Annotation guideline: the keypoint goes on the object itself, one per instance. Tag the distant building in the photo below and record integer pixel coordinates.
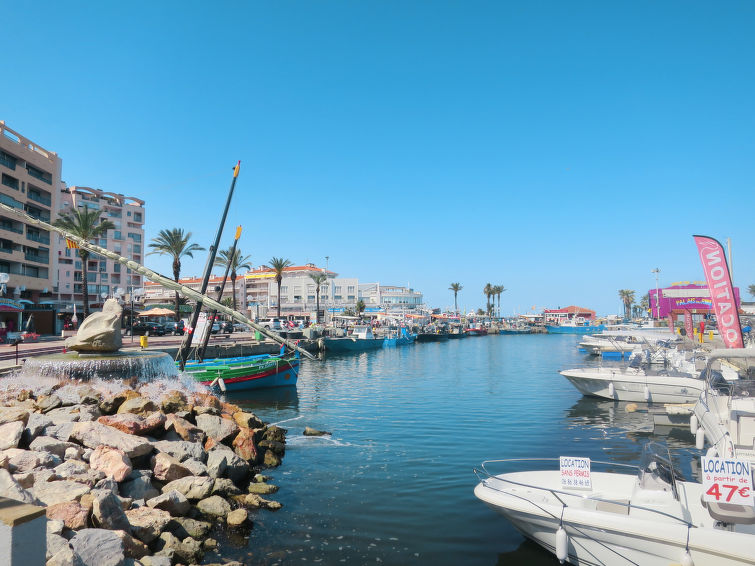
(683, 297)
(392, 299)
(155, 295)
(104, 276)
(29, 177)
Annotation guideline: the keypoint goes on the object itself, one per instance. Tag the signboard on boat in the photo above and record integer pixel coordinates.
(575, 473)
(727, 480)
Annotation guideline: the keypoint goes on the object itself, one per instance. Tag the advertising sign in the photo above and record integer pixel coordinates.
(202, 328)
(575, 472)
(727, 481)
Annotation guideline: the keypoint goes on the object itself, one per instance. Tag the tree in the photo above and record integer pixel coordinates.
(498, 290)
(360, 307)
(278, 264)
(319, 279)
(488, 291)
(456, 287)
(174, 243)
(645, 304)
(627, 297)
(236, 262)
(87, 225)
(751, 290)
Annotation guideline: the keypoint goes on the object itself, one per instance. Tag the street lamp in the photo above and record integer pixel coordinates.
(657, 297)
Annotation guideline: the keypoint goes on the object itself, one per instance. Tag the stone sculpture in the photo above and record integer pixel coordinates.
(100, 331)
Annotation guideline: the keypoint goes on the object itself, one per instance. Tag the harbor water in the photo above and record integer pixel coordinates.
(393, 482)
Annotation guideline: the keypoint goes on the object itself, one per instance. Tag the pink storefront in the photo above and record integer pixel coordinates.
(681, 298)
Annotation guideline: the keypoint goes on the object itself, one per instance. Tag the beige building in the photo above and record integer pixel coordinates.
(29, 178)
(155, 295)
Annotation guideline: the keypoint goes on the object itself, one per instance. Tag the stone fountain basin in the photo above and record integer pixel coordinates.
(144, 366)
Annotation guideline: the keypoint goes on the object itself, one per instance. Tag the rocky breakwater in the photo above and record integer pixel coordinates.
(127, 480)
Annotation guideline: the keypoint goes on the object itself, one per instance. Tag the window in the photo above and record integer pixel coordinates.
(8, 160)
(77, 265)
(39, 174)
(117, 235)
(284, 289)
(9, 181)
(103, 277)
(128, 213)
(92, 277)
(103, 243)
(137, 216)
(350, 289)
(137, 248)
(135, 237)
(116, 267)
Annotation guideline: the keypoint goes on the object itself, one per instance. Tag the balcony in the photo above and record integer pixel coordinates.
(10, 227)
(40, 198)
(39, 174)
(39, 214)
(8, 160)
(10, 201)
(37, 258)
(40, 238)
(9, 181)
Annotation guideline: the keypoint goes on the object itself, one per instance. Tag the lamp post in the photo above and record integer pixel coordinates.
(657, 297)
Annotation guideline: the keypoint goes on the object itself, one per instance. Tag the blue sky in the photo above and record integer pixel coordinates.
(562, 149)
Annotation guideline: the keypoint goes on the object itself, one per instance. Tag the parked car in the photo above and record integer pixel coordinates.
(215, 328)
(226, 326)
(174, 327)
(238, 327)
(151, 328)
(271, 323)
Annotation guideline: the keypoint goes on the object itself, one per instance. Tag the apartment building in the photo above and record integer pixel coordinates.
(105, 277)
(155, 295)
(392, 299)
(29, 177)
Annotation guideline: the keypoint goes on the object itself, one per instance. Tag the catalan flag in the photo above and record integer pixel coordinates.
(71, 245)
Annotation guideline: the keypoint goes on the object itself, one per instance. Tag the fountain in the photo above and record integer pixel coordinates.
(95, 352)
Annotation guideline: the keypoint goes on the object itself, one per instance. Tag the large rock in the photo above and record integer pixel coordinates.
(132, 547)
(10, 434)
(147, 523)
(74, 515)
(113, 462)
(167, 468)
(50, 493)
(138, 487)
(174, 401)
(225, 488)
(184, 429)
(196, 467)
(245, 446)
(236, 468)
(10, 489)
(217, 427)
(184, 527)
(20, 461)
(107, 512)
(217, 461)
(55, 543)
(46, 403)
(79, 471)
(262, 488)
(138, 406)
(35, 426)
(111, 404)
(51, 445)
(182, 450)
(172, 501)
(98, 547)
(247, 420)
(12, 414)
(126, 422)
(65, 557)
(237, 517)
(93, 434)
(214, 506)
(192, 487)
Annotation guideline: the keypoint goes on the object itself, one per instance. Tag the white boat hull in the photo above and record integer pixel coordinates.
(614, 535)
(630, 385)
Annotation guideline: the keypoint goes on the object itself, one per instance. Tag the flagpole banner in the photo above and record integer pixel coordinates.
(717, 275)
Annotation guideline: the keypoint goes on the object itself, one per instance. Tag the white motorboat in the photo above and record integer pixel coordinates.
(647, 518)
(724, 415)
(623, 341)
(634, 383)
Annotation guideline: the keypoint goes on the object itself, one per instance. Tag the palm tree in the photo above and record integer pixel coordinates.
(627, 297)
(645, 304)
(497, 290)
(488, 291)
(279, 264)
(360, 307)
(87, 225)
(236, 262)
(751, 290)
(456, 287)
(174, 243)
(319, 279)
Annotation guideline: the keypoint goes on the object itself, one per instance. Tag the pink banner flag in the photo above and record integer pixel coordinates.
(721, 289)
(688, 327)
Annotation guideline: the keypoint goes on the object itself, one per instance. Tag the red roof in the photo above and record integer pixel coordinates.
(570, 310)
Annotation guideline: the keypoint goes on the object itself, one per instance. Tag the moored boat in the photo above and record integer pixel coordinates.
(250, 372)
(648, 517)
(360, 339)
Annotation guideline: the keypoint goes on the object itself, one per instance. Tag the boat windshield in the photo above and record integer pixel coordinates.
(656, 469)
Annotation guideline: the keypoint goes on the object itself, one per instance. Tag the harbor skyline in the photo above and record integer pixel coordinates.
(564, 152)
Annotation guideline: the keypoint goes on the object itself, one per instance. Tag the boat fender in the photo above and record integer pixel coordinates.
(214, 382)
(647, 393)
(222, 384)
(693, 424)
(687, 559)
(611, 389)
(700, 439)
(562, 544)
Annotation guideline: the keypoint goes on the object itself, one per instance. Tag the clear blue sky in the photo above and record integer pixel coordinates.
(562, 149)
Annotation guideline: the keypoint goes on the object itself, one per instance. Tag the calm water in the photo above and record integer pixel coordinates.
(393, 485)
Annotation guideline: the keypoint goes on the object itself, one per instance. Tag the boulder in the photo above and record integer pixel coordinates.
(12, 414)
(190, 551)
(184, 429)
(214, 506)
(64, 415)
(10, 434)
(74, 515)
(61, 431)
(111, 404)
(225, 488)
(132, 547)
(167, 468)
(196, 467)
(262, 488)
(275, 433)
(129, 423)
(10, 489)
(138, 406)
(52, 492)
(93, 434)
(35, 426)
(308, 431)
(65, 557)
(182, 450)
(255, 501)
(138, 487)
(46, 403)
(271, 460)
(107, 512)
(166, 545)
(174, 401)
(79, 471)
(217, 461)
(174, 502)
(192, 487)
(247, 420)
(218, 428)
(55, 543)
(147, 523)
(98, 547)
(245, 446)
(20, 461)
(237, 517)
(184, 527)
(113, 462)
(156, 561)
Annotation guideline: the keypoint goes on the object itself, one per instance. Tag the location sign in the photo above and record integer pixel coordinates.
(727, 481)
(575, 472)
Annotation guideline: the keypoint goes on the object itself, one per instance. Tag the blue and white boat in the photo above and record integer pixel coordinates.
(360, 339)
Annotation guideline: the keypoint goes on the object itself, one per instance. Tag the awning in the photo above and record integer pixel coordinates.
(157, 312)
(9, 305)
